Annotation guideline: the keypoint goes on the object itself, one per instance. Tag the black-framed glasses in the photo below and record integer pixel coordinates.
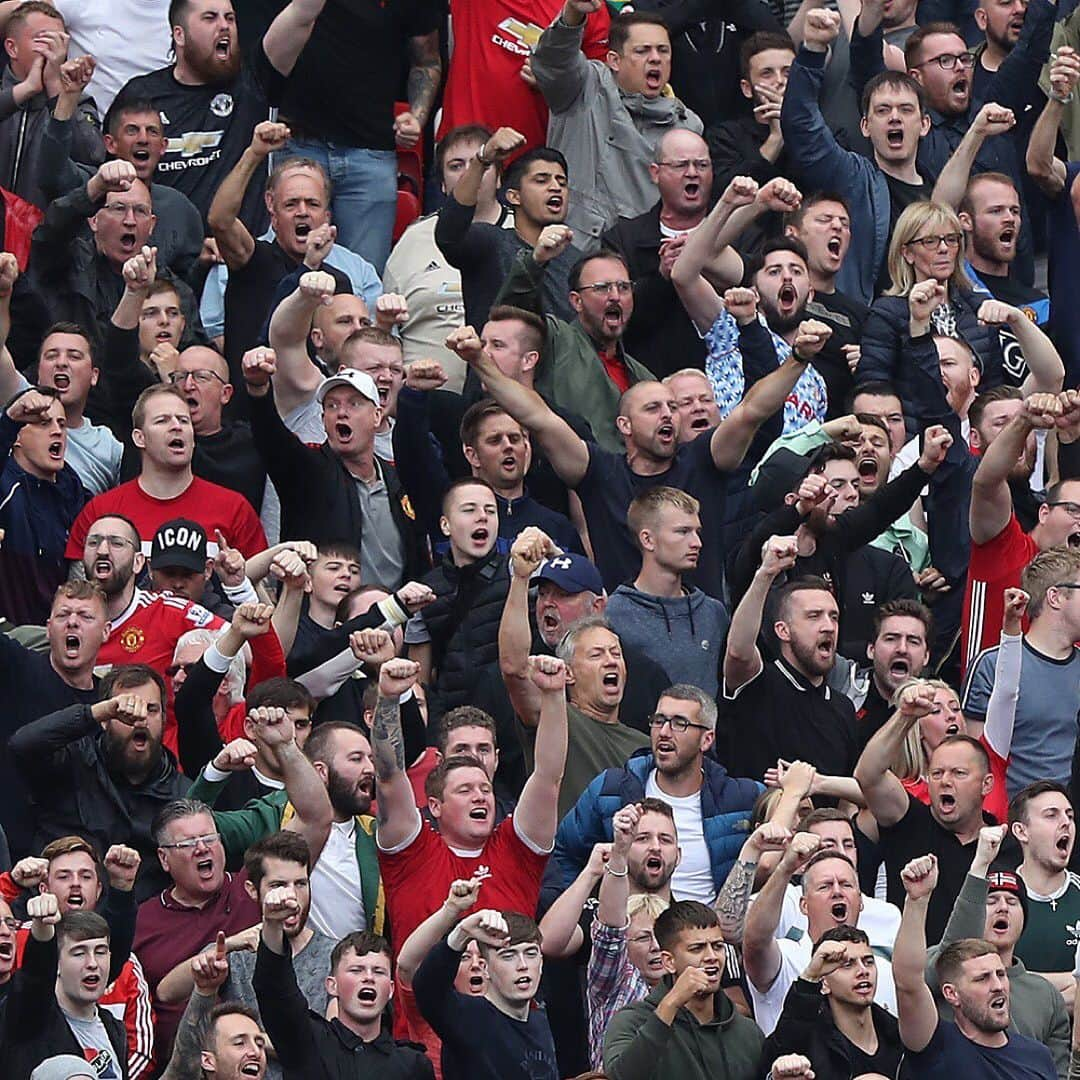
(678, 723)
(171, 671)
(950, 240)
(602, 288)
(1070, 508)
(203, 376)
(947, 61)
(1065, 585)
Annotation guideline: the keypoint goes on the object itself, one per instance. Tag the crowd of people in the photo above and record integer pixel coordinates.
(539, 540)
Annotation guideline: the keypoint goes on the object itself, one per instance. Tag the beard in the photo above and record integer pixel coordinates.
(210, 70)
(809, 659)
(346, 799)
(120, 763)
(778, 323)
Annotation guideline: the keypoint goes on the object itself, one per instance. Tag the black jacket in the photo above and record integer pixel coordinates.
(660, 334)
(806, 1027)
(34, 1028)
(61, 758)
(318, 494)
(310, 1047)
(464, 626)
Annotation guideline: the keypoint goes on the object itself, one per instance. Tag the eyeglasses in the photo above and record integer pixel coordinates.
(1065, 585)
(194, 842)
(121, 209)
(678, 723)
(171, 671)
(701, 164)
(203, 376)
(947, 61)
(1070, 508)
(602, 288)
(116, 543)
(950, 240)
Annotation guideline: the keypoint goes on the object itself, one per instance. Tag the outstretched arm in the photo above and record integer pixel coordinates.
(235, 243)
(434, 928)
(297, 378)
(742, 659)
(568, 454)
(885, 795)
(537, 817)
(399, 820)
(1044, 168)
(290, 31)
(561, 924)
(953, 179)
(733, 901)
(918, 1013)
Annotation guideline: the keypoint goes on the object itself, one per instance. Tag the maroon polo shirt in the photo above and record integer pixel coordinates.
(167, 933)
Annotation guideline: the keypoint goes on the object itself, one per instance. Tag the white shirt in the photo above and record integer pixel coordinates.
(794, 958)
(337, 898)
(693, 878)
(125, 37)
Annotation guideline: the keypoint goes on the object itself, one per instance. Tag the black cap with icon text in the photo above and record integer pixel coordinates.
(179, 544)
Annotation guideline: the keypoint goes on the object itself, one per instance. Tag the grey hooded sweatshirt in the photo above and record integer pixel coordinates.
(683, 634)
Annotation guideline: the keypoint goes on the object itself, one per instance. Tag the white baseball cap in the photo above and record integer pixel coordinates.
(358, 380)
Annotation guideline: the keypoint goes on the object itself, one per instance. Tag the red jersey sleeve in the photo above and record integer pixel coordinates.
(246, 531)
(1011, 546)
(594, 43)
(267, 658)
(8, 889)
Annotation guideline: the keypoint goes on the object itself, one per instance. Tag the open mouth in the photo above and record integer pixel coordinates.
(366, 996)
(952, 729)
(140, 155)
(550, 621)
(665, 746)
(479, 536)
(868, 468)
(343, 431)
(864, 986)
(998, 1001)
(839, 910)
(71, 644)
(102, 567)
(826, 645)
(947, 802)
(61, 380)
(524, 982)
(960, 87)
(476, 984)
(140, 739)
(56, 450)
(610, 681)
(788, 296)
(129, 241)
(223, 47)
(1062, 844)
(7, 950)
(176, 443)
(509, 463)
(895, 138)
(899, 669)
(712, 971)
(1000, 925)
(834, 246)
(91, 982)
(163, 335)
(666, 431)
(1007, 236)
(75, 900)
(1073, 539)
(691, 189)
(654, 79)
(302, 228)
(613, 315)
(654, 864)
(699, 423)
(555, 203)
(251, 1068)
(366, 786)
(205, 868)
(478, 813)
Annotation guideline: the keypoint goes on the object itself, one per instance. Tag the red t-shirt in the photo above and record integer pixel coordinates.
(417, 878)
(495, 37)
(211, 505)
(148, 631)
(995, 566)
(617, 370)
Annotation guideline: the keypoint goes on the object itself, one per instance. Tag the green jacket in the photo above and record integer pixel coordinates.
(571, 376)
(902, 537)
(240, 829)
(638, 1046)
(1036, 1008)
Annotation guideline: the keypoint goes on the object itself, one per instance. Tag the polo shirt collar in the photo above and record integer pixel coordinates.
(799, 681)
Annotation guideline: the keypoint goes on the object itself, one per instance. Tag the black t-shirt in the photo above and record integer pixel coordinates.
(901, 196)
(845, 317)
(884, 1061)
(1033, 303)
(918, 833)
(348, 77)
(610, 485)
(208, 128)
(230, 459)
(779, 713)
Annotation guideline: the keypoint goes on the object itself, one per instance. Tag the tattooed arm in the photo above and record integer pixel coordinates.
(185, 1063)
(425, 75)
(734, 899)
(399, 820)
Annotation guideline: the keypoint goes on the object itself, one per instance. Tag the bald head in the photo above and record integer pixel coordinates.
(334, 322)
(648, 420)
(683, 174)
(202, 375)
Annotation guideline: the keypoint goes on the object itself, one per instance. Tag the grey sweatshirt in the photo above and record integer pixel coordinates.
(684, 634)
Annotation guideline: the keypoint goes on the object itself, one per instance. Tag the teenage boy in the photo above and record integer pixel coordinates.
(517, 1042)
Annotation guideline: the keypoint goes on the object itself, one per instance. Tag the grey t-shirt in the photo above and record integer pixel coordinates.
(98, 1051)
(311, 965)
(1046, 726)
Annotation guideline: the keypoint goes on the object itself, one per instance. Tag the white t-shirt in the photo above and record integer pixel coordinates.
(693, 878)
(337, 897)
(94, 1041)
(794, 958)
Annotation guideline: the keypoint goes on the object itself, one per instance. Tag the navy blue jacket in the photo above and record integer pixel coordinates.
(726, 803)
(36, 516)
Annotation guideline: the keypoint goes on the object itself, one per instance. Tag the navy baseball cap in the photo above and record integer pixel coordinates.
(572, 573)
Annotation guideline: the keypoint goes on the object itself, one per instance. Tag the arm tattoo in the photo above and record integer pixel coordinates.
(185, 1061)
(734, 900)
(425, 75)
(389, 743)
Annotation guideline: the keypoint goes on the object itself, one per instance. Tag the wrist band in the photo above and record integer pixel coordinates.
(615, 873)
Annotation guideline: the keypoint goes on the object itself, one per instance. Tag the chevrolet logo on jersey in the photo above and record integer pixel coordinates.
(194, 142)
(517, 37)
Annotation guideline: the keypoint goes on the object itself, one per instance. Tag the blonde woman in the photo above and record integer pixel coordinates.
(930, 295)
